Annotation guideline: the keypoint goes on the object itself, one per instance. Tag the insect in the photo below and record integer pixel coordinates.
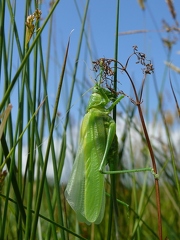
(85, 190)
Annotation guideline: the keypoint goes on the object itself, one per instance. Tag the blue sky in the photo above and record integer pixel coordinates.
(100, 29)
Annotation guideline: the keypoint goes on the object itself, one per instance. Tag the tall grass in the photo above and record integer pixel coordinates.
(40, 138)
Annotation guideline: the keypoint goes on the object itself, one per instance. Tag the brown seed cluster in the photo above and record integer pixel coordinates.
(106, 72)
(30, 26)
(143, 61)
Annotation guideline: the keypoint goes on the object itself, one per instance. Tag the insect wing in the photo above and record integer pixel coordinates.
(74, 192)
(85, 190)
(94, 141)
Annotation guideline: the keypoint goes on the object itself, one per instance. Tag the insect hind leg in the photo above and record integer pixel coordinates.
(110, 137)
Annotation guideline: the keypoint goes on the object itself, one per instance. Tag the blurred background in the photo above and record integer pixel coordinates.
(42, 142)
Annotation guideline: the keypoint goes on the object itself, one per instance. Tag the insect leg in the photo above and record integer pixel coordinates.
(115, 103)
(110, 137)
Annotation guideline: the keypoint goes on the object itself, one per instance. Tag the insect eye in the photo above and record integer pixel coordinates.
(96, 89)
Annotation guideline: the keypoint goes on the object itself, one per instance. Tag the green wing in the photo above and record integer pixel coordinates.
(85, 190)
(74, 192)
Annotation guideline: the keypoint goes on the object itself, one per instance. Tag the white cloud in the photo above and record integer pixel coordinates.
(157, 135)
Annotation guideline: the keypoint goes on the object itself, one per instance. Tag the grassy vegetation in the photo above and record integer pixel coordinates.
(39, 135)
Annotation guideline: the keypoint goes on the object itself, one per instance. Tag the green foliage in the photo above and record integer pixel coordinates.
(32, 205)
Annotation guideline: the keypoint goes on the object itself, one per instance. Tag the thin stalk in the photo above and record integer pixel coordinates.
(39, 199)
(152, 158)
(15, 78)
(171, 147)
(2, 18)
(113, 203)
(32, 157)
